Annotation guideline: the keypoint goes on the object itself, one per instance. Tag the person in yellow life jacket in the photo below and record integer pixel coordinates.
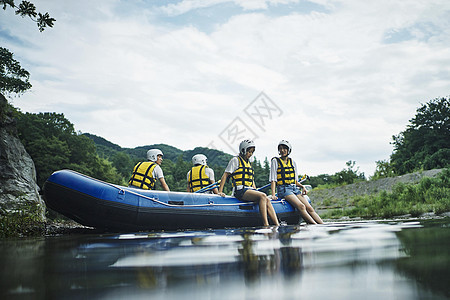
(283, 178)
(244, 189)
(145, 174)
(200, 175)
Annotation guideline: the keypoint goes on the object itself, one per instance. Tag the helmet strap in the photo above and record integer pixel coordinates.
(243, 157)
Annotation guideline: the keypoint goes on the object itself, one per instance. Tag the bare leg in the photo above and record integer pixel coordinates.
(310, 210)
(263, 211)
(261, 198)
(272, 213)
(296, 202)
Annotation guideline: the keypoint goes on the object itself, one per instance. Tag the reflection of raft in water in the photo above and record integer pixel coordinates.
(95, 203)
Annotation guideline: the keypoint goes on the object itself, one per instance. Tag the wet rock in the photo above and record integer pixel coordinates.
(53, 228)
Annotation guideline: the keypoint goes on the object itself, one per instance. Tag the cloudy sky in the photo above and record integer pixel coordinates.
(335, 78)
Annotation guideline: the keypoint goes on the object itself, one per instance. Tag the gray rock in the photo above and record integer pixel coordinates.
(18, 188)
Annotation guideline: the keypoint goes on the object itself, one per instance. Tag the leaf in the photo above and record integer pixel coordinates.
(44, 20)
(26, 9)
(7, 2)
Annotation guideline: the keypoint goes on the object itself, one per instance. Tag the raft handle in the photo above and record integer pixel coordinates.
(246, 207)
(176, 202)
(121, 194)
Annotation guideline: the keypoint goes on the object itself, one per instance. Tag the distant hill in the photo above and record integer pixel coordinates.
(101, 141)
(108, 150)
(140, 152)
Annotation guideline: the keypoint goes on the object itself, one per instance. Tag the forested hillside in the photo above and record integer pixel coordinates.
(176, 162)
(107, 149)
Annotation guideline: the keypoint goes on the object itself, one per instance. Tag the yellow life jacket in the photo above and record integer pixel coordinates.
(198, 178)
(285, 172)
(244, 174)
(142, 176)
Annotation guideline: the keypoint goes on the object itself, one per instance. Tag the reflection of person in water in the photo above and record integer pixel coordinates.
(292, 258)
(285, 259)
(249, 259)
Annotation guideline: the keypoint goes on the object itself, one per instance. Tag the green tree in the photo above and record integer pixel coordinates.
(177, 173)
(123, 163)
(168, 168)
(349, 175)
(384, 169)
(13, 78)
(345, 176)
(28, 9)
(49, 154)
(439, 159)
(261, 172)
(425, 144)
(322, 179)
(52, 142)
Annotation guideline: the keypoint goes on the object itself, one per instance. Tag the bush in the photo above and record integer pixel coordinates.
(429, 195)
(21, 223)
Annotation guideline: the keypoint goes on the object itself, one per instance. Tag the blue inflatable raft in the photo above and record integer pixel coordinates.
(102, 205)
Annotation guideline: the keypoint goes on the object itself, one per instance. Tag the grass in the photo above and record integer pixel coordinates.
(21, 223)
(429, 195)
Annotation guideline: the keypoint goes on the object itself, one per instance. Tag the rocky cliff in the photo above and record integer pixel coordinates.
(18, 188)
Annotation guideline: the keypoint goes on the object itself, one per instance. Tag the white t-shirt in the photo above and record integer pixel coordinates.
(157, 172)
(274, 167)
(233, 165)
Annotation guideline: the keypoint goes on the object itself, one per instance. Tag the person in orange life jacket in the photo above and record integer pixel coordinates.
(145, 174)
(244, 188)
(200, 175)
(283, 176)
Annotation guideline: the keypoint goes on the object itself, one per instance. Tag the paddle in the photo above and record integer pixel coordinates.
(211, 188)
(304, 177)
(263, 187)
(208, 187)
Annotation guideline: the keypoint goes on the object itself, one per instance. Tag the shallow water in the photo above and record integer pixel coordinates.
(403, 259)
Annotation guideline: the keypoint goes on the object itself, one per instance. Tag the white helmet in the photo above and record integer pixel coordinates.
(287, 144)
(152, 154)
(199, 159)
(244, 145)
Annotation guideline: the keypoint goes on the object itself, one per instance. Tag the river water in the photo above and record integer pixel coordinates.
(398, 259)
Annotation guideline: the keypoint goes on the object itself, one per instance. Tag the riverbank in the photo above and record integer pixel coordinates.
(340, 196)
(19, 226)
(414, 194)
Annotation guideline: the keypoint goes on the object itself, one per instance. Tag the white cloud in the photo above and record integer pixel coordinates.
(185, 6)
(347, 76)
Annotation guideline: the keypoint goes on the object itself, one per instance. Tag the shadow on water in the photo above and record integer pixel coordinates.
(342, 260)
(427, 256)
